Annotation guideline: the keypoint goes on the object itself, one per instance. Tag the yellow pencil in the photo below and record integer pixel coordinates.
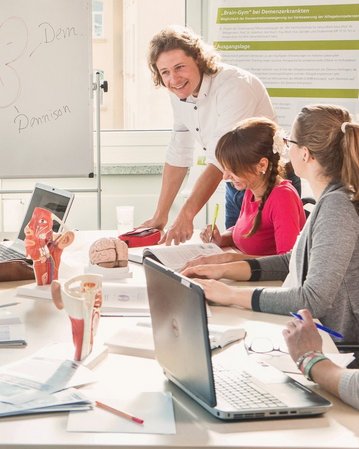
(215, 216)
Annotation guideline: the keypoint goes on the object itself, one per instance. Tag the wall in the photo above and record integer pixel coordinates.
(131, 175)
(139, 190)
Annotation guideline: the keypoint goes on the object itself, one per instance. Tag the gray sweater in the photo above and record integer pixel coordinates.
(327, 268)
(349, 387)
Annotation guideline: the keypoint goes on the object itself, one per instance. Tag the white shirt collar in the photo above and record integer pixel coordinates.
(203, 90)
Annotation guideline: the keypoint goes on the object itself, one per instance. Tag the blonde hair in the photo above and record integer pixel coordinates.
(175, 37)
(332, 138)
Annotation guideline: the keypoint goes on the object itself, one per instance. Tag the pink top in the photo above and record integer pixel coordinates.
(282, 219)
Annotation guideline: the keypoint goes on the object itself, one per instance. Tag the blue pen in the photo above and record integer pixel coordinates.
(319, 326)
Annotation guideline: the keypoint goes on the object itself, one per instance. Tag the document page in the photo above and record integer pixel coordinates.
(155, 408)
(176, 257)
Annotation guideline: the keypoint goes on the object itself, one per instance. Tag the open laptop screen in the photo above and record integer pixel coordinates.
(56, 200)
(180, 332)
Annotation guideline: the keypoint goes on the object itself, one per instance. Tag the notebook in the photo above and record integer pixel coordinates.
(182, 348)
(56, 200)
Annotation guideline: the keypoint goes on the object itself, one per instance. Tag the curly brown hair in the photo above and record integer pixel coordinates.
(175, 37)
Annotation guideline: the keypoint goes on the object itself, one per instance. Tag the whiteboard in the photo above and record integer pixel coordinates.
(46, 110)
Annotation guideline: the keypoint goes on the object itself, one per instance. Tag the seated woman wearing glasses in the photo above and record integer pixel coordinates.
(321, 272)
(305, 347)
(272, 213)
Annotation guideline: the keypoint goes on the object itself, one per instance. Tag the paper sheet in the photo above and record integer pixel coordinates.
(286, 364)
(155, 408)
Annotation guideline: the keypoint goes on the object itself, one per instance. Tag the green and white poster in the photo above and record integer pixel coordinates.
(303, 51)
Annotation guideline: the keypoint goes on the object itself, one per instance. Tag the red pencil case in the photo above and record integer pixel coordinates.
(141, 237)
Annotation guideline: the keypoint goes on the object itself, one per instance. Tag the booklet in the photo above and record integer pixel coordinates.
(175, 256)
(41, 383)
(138, 340)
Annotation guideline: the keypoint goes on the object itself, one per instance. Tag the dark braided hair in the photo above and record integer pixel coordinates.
(272, 177)
(241, 150)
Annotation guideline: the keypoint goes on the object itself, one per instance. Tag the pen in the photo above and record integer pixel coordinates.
(320, 326)
(117, 412)
(215, 216)
(9, 304)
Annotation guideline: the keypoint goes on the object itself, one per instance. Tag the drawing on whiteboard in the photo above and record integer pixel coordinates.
(51, 34)
(13, 43)
(14, 36)
(23, 121)
(46, 88)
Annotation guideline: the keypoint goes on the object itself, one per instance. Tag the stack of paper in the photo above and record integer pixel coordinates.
(41, 384)
(66, 400)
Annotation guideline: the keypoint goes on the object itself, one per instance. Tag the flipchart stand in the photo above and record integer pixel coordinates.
(98, 85)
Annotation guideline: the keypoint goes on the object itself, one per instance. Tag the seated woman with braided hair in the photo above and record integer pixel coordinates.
(272, 213)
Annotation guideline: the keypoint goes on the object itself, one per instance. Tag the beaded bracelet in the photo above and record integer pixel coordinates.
(304, 356)
(309, 365)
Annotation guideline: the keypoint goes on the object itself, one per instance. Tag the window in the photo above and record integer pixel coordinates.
(97, 19)
(121, 54)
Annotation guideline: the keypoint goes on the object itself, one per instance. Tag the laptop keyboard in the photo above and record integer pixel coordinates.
(7, 253)
(239, 390)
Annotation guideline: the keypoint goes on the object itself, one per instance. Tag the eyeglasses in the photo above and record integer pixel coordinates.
(262, 348)
(263, 345)
(288, 141)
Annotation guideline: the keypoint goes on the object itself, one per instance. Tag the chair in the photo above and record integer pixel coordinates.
(308, 204)
(350, 347)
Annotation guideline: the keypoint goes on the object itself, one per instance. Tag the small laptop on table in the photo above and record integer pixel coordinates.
(182, 348)
(55, 200)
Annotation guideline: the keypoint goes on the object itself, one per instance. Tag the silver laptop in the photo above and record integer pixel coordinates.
(182, 348)
(56, 200)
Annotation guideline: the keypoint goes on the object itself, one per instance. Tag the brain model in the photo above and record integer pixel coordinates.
(109, 252)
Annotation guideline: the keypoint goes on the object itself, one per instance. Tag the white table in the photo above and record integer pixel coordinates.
(195, 428)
